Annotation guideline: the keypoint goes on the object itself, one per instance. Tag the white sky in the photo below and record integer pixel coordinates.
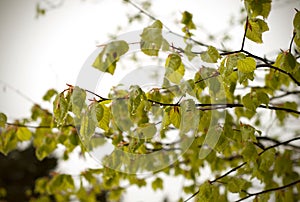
(38, 54)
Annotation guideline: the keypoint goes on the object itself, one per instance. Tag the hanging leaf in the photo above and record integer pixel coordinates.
(23, 134)
(174, 68)
(208, 193)
(78, 101)
(258, 8)
(60, 108)
(88, 123)
(187, 21)
(152, 39)
(175, 116)
(296, 23)
(246, 65)
(256, 27)
(110, 55)
(49, 94)
(211, 55)
(286, 61)
(157, 184)
(3, 120)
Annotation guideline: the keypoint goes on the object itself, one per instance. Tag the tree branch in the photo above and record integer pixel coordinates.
(285, 94)
(277, 141)
(37, 127)
(244, 163)
(244, 37)
(291, 42)
(280, 70)
(269, 190)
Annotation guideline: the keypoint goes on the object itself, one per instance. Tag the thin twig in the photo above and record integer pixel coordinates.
(269, 190)
(245, 33)
(291, 43)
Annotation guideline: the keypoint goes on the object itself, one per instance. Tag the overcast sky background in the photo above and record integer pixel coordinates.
(48, 52)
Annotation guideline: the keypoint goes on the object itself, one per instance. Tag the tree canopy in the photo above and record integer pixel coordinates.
(232, 111)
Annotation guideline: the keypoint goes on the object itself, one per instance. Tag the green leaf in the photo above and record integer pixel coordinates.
(229, 63)
(88, 124)
(78, 101)
(8, 141)
(3, 120)
(188, 51)
(175, 116)
(267, 159)
(157, 184)
(187, 21)
(174, 68)
(208, 193)
(256, 27)
(152, 39)
(296, 23)
(146, 131)
(286, 61)
(253, 99)
(258, 8)
(236, 184)
(61, 183)
(60, 108)
(23, 134)
(249, 152)
(49, 94)
(110, 55)
(136, 96)
(246, 65)
(211, 55)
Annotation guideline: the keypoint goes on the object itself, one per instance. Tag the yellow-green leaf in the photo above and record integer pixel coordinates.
(256, 27)
(3, 120)
(23, 134)
(152, 39)
(110, 55)
(211, 55)
(246, 65)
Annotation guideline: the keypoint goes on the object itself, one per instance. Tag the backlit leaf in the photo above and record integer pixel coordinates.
(110, 55)
(211, 55)
(78, 101)
(60, 108)
(256, 27)
(23, 134)
(208, 193)
(296, 23)
(187, 21)
(246, 65)
(174, 68)
(49, 94)
(258, 8)
(286, 61)
(157, 184)
(3, 120)
(152, 39)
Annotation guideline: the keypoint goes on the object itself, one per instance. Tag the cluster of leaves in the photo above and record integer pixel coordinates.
(227, 123)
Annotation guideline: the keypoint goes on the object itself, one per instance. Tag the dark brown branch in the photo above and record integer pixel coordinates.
(285, 94)
(269, 190)
(280, 70)
(244, 163)
(291, 43)
(279, 144)
(277, 141)
(37, 127)
(99, 96)
(245, 33)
